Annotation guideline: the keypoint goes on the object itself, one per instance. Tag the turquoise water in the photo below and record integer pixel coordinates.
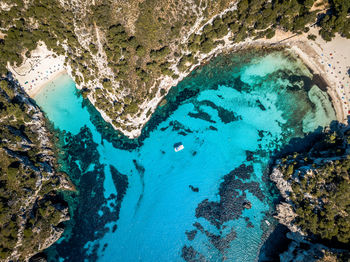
(149, 203)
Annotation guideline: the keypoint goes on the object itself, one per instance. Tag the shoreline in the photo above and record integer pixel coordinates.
(339, 93)
(315, 55)
(328, 60)
(40, 87)
(38, 70)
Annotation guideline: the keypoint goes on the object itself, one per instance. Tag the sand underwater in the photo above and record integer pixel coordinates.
(138, 200)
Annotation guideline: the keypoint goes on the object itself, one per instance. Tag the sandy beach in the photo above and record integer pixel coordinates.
(42, 67)
(330, 60)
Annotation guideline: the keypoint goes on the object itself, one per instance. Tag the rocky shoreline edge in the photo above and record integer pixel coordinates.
(38, 207)
(298, 243)
(306, 50)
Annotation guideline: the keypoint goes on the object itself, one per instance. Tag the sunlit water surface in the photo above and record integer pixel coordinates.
(153, 204)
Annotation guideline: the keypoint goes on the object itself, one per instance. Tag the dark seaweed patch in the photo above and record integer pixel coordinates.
(249, 155)
(194, 189)
(201, 115)
(230, 207)
(120, 182)
(260, 105)
(238, 84)
(104, 247)
(90, 211)
(243, 171)
(198, 226)
(177, 126)
(186, 94)
(141, 170)
(219, 242)
(307, 81)
(263, 134)
(225, 115)
(191, 234)
(231, 204)
(294, 80)
(189, 254)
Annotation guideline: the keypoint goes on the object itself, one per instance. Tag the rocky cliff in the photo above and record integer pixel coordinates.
(31, 211)
(315, 187)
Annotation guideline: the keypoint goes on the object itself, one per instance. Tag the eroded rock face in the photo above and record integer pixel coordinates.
(314, 185)
(286, 215)
(31, 209)
(305, 251)
(283, 185)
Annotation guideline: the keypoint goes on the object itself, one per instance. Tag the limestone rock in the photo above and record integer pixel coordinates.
(286, 215)
(283, 186)
(247, 205)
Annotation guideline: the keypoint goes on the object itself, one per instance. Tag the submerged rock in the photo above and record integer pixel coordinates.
(247, 205)
(194, 189)
(191, 234)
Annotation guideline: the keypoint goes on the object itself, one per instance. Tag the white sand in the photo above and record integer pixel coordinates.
(331, 60)
(42, 67)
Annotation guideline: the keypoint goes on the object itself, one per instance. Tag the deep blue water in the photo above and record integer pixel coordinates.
(149, 203)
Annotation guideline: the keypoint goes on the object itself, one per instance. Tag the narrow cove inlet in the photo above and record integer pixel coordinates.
(139, 200)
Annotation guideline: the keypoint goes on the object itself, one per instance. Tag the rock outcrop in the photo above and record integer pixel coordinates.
(283, 186)
(314, 185)
(31, 210)
(286, 215)
(285, 212)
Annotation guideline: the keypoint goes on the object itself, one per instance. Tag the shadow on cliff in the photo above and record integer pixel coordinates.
(277, 242)
(303, 144)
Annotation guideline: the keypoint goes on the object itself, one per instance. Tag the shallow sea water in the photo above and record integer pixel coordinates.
(149, 203)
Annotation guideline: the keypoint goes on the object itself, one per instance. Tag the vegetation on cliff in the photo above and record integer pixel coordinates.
(320, 187)
(118, 51)
(30, 211)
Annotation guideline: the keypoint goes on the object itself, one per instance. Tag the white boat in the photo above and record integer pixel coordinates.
(178, 147)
